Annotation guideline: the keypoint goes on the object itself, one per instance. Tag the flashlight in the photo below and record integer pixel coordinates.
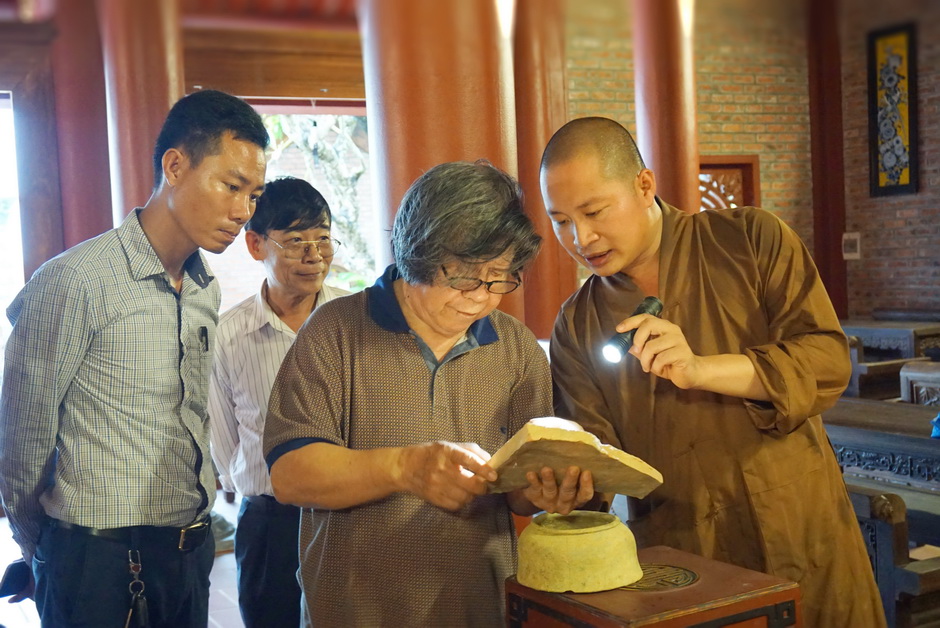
(618, 346)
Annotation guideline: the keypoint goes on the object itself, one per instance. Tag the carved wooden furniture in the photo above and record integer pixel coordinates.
(910, 590)
(920, 383)
(880, 379)
(722, 595)
(892, 470)
(891, 339)
(887, 446)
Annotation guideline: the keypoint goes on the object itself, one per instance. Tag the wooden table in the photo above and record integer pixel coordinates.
(678, 589)
(885, 340)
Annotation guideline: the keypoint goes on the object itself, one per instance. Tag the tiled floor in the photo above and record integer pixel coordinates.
(223, 593)
(223, 596)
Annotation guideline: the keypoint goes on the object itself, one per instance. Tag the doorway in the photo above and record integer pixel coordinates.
(11, 239)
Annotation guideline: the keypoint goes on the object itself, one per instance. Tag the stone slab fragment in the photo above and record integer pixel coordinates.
(559, 444)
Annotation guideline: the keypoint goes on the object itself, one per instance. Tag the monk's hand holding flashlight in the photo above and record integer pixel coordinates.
(619, 345)
(659, 345)
(663, 350)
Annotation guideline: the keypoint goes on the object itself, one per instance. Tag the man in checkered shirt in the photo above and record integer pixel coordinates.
(104, 441)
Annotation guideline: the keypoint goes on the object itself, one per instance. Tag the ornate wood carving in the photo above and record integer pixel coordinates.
(870, 536)
(922, 469)
(721, 190)
(927, 394)
(920, 383)
(903, 344)
(929, 342)
(727, 181)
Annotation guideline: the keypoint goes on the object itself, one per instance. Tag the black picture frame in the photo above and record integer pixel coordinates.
(892, 110)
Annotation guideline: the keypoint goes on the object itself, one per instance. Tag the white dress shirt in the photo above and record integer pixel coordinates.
(251, 342)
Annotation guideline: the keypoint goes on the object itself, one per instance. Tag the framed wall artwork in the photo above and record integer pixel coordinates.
(892, 110)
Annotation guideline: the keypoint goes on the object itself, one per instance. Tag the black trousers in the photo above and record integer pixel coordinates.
(82, 580)
(266, 552)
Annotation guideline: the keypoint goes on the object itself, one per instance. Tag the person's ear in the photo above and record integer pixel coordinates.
(255, 243)
(174, 165)
(646, 185)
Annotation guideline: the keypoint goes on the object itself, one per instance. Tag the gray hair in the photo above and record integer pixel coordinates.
(464, 212)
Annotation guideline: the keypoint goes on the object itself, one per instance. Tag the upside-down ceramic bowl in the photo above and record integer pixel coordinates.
(581, 552)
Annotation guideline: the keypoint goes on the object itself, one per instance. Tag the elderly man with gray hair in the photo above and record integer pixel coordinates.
(386, 407)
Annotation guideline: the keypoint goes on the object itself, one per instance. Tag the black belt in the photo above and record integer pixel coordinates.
(185, 539)
(269, 504)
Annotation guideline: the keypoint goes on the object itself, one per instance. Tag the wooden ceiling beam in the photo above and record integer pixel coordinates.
(275, 63)
(327, 10)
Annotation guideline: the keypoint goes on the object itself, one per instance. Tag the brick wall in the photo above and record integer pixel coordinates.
(753, 97)
(751, 80)
(900, 235)
(599, 68)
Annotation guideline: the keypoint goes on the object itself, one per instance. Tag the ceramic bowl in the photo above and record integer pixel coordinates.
(581, 552)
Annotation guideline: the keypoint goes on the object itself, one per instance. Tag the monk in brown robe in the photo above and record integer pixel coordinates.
(723, 392)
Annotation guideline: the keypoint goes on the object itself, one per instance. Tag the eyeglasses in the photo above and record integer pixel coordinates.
(298, 249)
(469, 284)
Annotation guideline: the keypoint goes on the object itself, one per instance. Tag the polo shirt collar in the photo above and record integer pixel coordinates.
(143, 260)
(387, 314)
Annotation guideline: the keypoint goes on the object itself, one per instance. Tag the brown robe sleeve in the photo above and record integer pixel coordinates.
(807, 366)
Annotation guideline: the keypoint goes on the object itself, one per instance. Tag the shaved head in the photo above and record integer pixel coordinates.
(601, 137)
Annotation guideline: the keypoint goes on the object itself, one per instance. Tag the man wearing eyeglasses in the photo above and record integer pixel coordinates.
(290, 234)
(386, 407)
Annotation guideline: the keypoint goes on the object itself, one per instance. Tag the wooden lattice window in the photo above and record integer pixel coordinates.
(727, 181)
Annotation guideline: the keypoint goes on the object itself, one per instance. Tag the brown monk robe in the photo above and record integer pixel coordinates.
(751, 483)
